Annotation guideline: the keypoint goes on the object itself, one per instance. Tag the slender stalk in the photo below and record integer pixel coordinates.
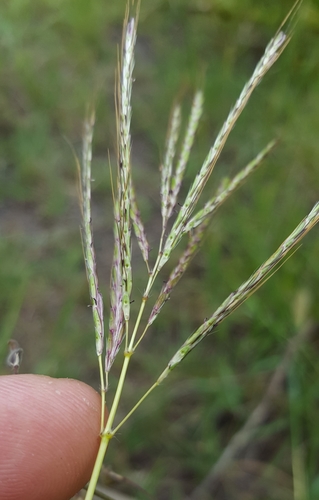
(234, 300)
(97, 467)
(150, 283)
(107, 433)
(103, 391)
(108, 428)
(129, 351)
(140, 401)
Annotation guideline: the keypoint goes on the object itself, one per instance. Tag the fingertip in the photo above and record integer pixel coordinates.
(49, 434)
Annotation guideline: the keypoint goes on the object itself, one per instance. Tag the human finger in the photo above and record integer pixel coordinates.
(49, 435)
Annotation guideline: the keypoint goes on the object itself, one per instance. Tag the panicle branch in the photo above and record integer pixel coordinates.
(195, 239)
(116, 321)
(195, 115)
(215, 202)
(87, 235)
(139, 227)
(121, 274)
(197, 229)
(272, 52)
(235, 299)
(167, 167)
(124, 112)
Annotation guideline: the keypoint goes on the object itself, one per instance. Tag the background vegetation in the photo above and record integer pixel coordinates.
(54, 57)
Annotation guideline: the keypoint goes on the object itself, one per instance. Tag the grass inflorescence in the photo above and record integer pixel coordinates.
(190, 222)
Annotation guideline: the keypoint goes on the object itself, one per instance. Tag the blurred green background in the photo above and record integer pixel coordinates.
(56, 56)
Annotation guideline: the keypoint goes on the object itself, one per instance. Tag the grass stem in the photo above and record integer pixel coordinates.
(97, 467)
(103, 390)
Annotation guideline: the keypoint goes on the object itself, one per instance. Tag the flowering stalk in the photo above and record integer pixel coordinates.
(124, 111)
(121, 277)
(121, 281)
(116, 321)
(234, 300)
(88, 247)
(126, 213)
(272, 52)
(197, 229)
(87, 235)
(177, 179)
(139, 228)
(167, 167)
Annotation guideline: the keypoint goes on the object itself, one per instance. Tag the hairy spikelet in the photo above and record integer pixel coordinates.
(116, 321)
(197, 227)
(139, 227)
(235, 299)
(167, 167)
(124, 112)
(87, 235)
(272, 52)
(177, 179)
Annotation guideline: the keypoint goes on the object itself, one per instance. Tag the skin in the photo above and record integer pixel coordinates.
(49, 437)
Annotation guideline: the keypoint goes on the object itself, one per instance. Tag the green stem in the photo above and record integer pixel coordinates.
(126, 336)
(135, 407)
(108, 428)
(139, 317)
(147, 393)
(108, 433)
(103, 390)
(131, 348)
(97, 467)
